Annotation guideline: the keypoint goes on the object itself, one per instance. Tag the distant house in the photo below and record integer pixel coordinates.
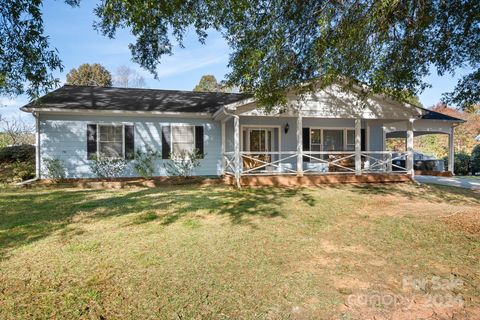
(328, 132)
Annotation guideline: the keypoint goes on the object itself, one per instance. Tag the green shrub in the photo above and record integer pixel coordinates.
(23, 170)
(144, 162)
(183, 163)
(22, 153)
(462, 164)
(104, 167)
(475, 160)
(55, 168)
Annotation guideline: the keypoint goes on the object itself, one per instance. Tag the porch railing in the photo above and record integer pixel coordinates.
(262, 163)
(329, 161)
(384, 161)
(314, 162)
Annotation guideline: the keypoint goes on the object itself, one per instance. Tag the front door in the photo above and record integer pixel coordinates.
(260, 140)
(259, 143)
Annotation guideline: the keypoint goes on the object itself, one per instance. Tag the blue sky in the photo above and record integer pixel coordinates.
(71, 32)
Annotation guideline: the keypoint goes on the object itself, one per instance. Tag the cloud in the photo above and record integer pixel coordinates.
(179, 66)
(190, 59)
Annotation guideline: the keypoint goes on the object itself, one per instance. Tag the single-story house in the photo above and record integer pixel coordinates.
(331, 131)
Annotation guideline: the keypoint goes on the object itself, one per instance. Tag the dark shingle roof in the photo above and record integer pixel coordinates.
(433, 115)
(130, 99)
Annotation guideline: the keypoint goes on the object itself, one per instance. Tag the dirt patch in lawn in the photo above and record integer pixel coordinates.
(464, 220)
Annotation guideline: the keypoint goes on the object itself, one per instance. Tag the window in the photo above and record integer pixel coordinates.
(316, 140)
(110, 142)
(332, 139)
(183, 139)
(256, 139)
(350, 140)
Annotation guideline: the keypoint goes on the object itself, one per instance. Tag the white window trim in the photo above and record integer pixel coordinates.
(111, 125)
(182, 125)
(260, 127)
(345, 139)
(345, 129)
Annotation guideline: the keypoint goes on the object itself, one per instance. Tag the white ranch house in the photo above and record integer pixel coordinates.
(330, 132)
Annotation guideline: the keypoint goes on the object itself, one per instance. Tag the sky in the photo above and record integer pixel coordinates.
(72, 34)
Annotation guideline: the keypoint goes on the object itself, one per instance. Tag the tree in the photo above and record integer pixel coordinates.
(465, 133)
(415, 100)
(390, 46)
(26, 58)
(89, 75)
(475, 160)
(279, 45)
(208, 83)
(126, 77)
(15, 132)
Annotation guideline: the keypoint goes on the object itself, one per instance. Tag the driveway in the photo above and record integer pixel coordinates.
(462, 182)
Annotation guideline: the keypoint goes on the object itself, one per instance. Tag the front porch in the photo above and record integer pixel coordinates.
(263, 146)
(325, 133)
(322, 150)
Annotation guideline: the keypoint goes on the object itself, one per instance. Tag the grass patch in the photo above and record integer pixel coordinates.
(218, 252)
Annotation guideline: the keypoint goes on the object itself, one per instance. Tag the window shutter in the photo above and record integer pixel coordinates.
(199, 140)
(364, 140)
(91, 141)
(129, 142)
(306, 142)
(166, 143)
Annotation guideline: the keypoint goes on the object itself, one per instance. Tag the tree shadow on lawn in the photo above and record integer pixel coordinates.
(430, 193)
(30, 215)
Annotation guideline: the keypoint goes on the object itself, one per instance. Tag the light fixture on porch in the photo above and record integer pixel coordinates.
(287, 127)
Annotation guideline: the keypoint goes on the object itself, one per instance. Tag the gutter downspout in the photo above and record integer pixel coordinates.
(236, 119)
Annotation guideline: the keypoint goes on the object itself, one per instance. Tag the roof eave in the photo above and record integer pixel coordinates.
(115, 112)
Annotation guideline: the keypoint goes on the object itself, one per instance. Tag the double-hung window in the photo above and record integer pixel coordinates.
(110, 142)
(316, 140)
(183, 139)
(332, 139)
(350, 143)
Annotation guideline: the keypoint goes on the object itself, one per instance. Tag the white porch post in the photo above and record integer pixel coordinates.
(236, 147)
(299, 146)
(223, 147)
(410, 159)
(451, 151)
(358, 146)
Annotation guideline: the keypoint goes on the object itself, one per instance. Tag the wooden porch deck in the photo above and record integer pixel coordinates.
(315, 180)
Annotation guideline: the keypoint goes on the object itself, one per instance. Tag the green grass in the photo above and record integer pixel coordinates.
(186, 252)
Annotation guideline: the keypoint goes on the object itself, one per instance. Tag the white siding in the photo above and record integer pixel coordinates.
(65, 137)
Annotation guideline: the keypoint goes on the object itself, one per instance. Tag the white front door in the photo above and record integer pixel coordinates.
(258, 139)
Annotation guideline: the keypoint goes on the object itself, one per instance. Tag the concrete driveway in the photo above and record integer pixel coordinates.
(462, 182)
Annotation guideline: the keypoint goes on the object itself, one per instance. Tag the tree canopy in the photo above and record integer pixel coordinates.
(437, 144)
(208, 83)
(26, 58)
(90, 75)
(390, 45)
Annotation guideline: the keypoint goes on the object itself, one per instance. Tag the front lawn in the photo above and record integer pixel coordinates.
(183, 252)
